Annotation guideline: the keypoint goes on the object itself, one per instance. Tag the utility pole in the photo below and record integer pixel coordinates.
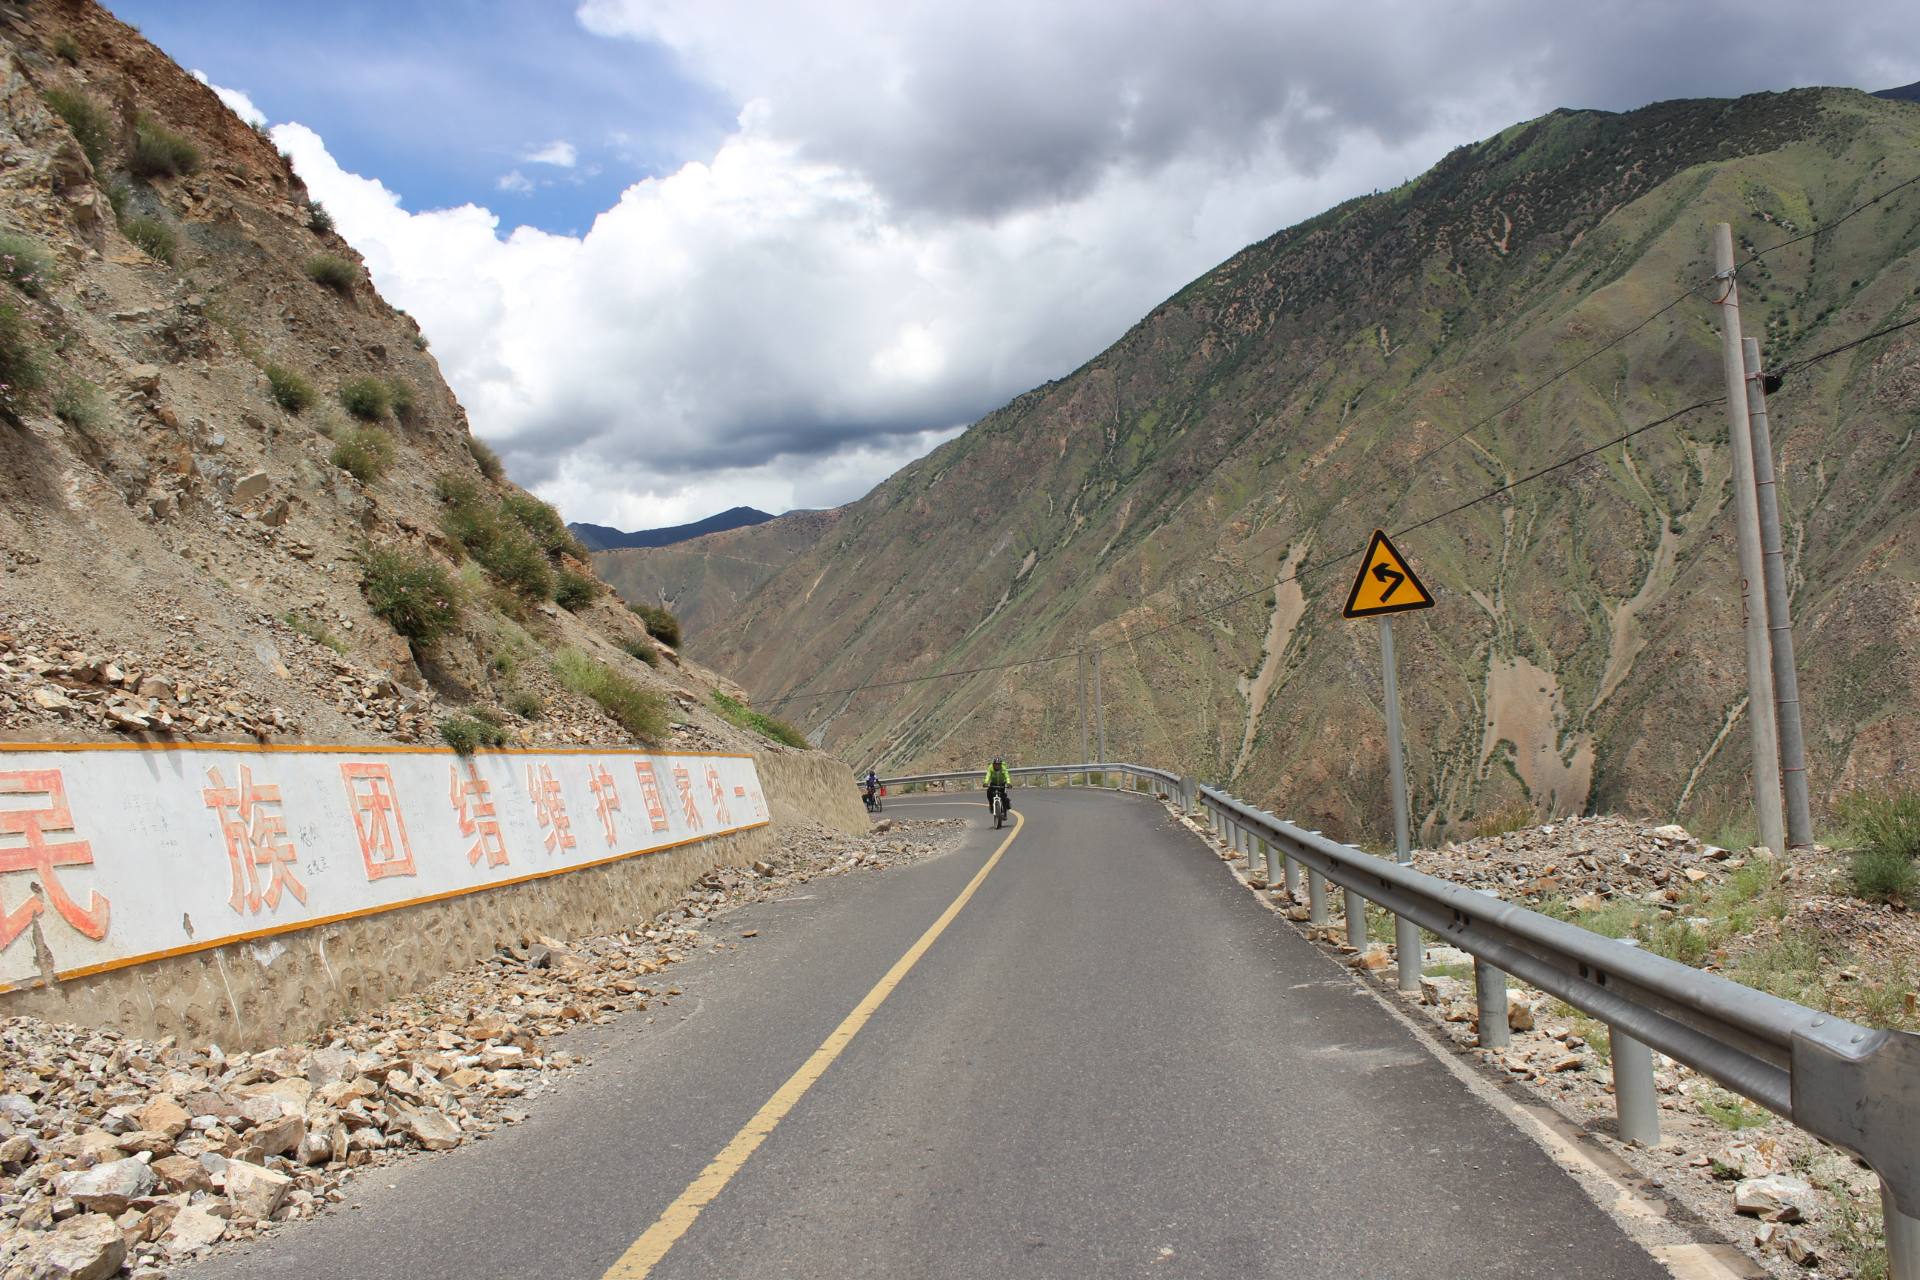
(1786, 677)
(1080, 682)
(1099, 709)
(1760, 700)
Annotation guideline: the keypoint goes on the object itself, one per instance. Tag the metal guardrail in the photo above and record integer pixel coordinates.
(1854, 1086)
(1133, 772)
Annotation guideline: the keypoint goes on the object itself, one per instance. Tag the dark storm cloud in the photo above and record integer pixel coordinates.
(980, 109)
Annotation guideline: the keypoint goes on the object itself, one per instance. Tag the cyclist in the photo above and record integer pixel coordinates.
(997, 780)
(871, 785)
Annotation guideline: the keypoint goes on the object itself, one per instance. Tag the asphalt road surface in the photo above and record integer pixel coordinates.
(1112, 1062)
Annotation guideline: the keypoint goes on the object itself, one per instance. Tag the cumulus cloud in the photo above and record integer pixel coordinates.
(770, 320)
(237, 102)
(515, 182)
(924, 210)
(559, 152)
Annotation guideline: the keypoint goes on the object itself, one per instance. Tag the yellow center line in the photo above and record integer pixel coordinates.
(643, 1254)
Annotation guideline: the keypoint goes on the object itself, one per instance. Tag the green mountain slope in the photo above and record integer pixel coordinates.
(1586, 650)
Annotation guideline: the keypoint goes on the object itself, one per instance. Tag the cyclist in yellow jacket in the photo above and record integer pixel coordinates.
(997, 780)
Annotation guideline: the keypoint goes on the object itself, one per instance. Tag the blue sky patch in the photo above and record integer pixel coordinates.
(511, 105)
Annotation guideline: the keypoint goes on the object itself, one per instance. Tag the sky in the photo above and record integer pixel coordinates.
(676, 256)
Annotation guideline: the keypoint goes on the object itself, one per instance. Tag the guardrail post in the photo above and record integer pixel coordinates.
(1356, 921)
(1316, 898)
(1293, 878)
(1636, 1105)
(1273, 863)
(1408, 953)
(1903, 1238)
(1490, 994)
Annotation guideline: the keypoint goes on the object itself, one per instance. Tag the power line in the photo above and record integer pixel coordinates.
(1820, 231)
(1682, 296)
(1793, 366)
(1328, 562)
(1542, 385)
(1297, 575)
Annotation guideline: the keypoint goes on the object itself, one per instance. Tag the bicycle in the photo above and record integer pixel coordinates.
(998, 802)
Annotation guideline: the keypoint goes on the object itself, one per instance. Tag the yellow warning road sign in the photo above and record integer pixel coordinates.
(1386, 583)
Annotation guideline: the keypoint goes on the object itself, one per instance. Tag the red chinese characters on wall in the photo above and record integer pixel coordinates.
(718, 790)
(478, 822)
(256, 836)
(651, 795)
(753, 800)
(377, 820)
(606, 800)
(683, 783)
(550, 807)
(25, 846)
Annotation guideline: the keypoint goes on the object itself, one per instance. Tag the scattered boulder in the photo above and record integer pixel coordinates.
(279, 1136)
(250, 487)
(165, 1116)
(1755, 1159)
(182, 1173)
(430, 1129)
(256, 1190)
(1777, 1197)
(85, 1247)
(1373, 959)
(107, 1188)
(194, 1228)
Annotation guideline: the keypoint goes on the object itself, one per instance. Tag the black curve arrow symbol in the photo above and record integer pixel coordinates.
(1385, 574)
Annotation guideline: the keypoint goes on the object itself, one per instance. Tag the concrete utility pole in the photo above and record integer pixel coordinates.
(1080, 680)
(1760, 700)
(1786, 676)
(1099, 710)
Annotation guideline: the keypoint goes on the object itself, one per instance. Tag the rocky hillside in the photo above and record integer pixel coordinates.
(705, 579)
(237, 500)
(1585, 654)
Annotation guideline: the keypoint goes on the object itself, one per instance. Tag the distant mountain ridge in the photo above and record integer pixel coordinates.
(600, 537)
(704, 580)
(1905, 93)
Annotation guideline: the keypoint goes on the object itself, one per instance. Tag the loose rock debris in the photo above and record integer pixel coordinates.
(126, 1156)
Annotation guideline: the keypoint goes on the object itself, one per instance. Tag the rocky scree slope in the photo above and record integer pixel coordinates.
(227, 466)
(1585, 654)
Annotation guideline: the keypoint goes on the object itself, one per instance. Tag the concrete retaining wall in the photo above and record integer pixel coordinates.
(253, 994)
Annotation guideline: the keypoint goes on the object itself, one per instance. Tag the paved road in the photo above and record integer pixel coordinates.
(1112, 1063)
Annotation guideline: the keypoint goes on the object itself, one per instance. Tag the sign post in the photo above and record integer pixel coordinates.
(1386, 585)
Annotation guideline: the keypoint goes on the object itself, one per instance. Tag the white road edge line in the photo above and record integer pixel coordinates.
(1635, 1211)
